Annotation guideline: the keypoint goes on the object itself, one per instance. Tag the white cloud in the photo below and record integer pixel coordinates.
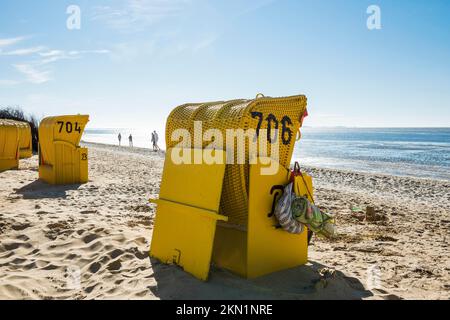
(32, 74)
(33, 70)
(51, 53)
(56, 55)
(53, 59)
(80, 52)
(23, 52)
(10, 41)
(138, 14)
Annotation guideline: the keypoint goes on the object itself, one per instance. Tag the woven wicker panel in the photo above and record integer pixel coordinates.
(182, 117)
(239, 114)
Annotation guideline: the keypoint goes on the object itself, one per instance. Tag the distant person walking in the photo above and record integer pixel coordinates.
(130, 140)
(155, 139)
(120, 138)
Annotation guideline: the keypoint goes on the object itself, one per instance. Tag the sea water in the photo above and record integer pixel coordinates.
(141, 138)
(417, 152)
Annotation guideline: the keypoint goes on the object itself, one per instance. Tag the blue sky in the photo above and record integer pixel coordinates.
(133, 61)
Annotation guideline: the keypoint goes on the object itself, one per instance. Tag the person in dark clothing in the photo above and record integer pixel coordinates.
(130, 140)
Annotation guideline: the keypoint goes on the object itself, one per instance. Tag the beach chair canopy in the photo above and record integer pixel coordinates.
(262, 113)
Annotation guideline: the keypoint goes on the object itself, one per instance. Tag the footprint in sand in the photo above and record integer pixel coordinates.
(114, 266)
(391, 297)
(94, 267)
(90, 237)
(91, 288)
(72, 256)
(30, 266)
(115, 253)
(50, 267)
(15, 245)
(89, 212)
(138, 254)
(21, 226)
(22, 237)
(18, 261)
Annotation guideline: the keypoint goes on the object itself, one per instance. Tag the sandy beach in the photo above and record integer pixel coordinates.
(99, 233)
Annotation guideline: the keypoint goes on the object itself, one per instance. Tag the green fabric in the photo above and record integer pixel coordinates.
(310, 215)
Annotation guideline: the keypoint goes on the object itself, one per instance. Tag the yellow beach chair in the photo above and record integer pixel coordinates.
(61, 159)
(241, 233)
(9, 145)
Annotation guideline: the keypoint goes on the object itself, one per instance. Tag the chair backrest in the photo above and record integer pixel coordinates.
(62, 129)
(9, 140)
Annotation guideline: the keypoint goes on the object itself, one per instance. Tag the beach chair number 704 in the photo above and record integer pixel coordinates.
(69, 127)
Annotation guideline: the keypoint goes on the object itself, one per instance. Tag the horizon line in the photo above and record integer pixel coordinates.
(309, 127)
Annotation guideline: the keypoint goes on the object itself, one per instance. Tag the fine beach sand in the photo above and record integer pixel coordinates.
(101, 232)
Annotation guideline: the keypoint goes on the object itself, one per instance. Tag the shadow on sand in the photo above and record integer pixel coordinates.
(41, 190)
(301, 283)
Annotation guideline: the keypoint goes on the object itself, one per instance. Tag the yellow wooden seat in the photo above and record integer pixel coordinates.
(61, 159)
(9, 145)
(241, 235)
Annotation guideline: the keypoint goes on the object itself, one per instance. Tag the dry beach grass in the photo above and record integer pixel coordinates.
(101, 232)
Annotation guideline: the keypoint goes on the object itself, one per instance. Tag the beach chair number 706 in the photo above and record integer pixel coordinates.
(272, 121)
(69, 127)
